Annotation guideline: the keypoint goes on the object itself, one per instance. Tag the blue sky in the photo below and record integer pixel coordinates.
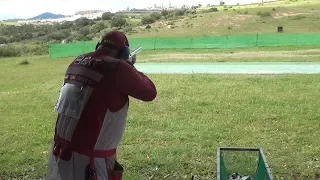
(31, 8)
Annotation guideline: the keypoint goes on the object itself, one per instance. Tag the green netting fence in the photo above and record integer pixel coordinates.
(228, 41)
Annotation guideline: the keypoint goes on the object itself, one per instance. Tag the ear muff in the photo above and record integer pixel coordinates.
(124, 53)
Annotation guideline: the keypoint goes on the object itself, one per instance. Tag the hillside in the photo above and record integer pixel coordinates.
(47, 15)
(295, 16)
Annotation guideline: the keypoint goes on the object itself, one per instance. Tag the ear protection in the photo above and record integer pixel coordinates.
(124, 53)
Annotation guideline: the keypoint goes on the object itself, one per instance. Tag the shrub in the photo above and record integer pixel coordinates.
(155, 16)
(213, 9)
(170, 23)
(180, 12)
(263, 14)
(298, 17)
(13, 50)
(147, 20)
(266, 14)
(164, 13)
(25, 62)
(118, 22)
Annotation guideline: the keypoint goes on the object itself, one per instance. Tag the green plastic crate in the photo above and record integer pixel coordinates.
(262, 169)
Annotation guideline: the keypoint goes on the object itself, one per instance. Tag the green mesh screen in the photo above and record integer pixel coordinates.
(230, 41)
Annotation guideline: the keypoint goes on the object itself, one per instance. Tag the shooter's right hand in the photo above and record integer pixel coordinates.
(132, 60)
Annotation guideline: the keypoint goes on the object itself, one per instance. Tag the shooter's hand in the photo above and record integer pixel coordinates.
(132, 60)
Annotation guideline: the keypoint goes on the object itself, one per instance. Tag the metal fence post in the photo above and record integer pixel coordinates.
(257, 39)
(83, 46)
(155, 42)
(227, 38)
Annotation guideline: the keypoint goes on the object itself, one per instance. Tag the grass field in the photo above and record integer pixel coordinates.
(175, 136)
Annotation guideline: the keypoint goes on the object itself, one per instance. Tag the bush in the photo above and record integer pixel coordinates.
(180, 12)
(298, 17)
(3, 40)
(25, 62)
(14, 50)
(97, 27)
(266, 14)
(246, 12)
(118, 22)
(214, 9)
(8, 51)
(147, 20)
(127, 29)
(170, 23)
(82, 22)
(107, 16)
(263, 14)
(155, 16)
(164, 13)
(192, 12)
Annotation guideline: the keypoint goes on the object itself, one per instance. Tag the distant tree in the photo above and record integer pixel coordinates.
(156, 15)
(84, 31)
(147, 20)
(184, 6)
(58, 35)
(194, 7)
(164, 13)
(107, 16)
(3, 40)
(199, 5)
(208, 5)
(97, 27)
(222, 3)
(82, 22)
(66, 25)
(118, 22)
(180, 12)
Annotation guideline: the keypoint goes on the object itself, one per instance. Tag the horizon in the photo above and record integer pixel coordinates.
(27, 9)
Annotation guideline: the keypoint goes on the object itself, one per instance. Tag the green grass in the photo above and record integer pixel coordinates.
(175, 136)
